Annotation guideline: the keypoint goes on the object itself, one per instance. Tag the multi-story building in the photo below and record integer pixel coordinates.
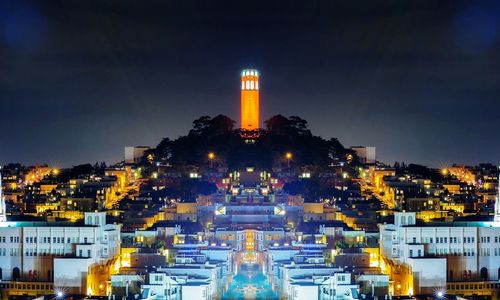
(162, 286)
(134, 154)
(366, 154)
(3, 207)
(73, 257)
(439, 252)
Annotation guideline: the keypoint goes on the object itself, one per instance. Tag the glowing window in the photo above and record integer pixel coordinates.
(256, 85)
(251, 85)
(242, 85)
(247, 84)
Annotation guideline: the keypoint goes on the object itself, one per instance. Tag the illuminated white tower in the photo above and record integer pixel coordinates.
(496, 218)
(3, 208)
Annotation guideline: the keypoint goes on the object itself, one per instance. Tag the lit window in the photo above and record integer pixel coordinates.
(251, 85)
(247, 85)
(256, 85)
(242, 85)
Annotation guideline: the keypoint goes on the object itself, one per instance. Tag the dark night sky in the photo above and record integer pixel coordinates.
(420, 80)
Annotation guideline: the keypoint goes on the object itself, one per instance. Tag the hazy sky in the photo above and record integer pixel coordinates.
(79, 80)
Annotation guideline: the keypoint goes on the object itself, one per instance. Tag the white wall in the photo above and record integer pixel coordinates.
(71, 273)
(195, 292)
(300, 292)
(428, 274)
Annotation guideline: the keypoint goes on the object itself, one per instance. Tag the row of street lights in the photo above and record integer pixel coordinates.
(288, 158)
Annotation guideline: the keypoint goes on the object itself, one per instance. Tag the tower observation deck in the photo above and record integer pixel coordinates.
(250, 101)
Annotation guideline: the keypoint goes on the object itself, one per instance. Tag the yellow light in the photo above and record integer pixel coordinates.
(288, 155)
(55, 171)
(211, 155)
(444, 171)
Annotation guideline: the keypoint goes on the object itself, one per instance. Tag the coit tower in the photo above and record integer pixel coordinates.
(249, 100)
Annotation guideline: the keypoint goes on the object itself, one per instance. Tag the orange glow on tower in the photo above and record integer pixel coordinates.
(250, 100)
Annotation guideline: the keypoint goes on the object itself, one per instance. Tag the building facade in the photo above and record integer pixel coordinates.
(60, 253)
(440, 252)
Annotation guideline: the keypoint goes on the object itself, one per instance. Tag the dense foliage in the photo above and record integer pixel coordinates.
(219, 135)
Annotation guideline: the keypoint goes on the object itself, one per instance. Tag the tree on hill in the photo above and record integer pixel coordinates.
(209, 127)
(218, 135)
(188, 189)
(424, 172)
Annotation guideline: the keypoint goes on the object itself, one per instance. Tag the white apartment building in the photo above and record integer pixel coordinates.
(165, 287)
(336, 286)
(203, 279)
(61, 253)
(468, 250)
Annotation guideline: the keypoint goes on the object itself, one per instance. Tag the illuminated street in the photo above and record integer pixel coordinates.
(250, 283)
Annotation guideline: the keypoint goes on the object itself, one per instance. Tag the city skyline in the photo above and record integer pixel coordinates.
(412, 79)
(236, 150)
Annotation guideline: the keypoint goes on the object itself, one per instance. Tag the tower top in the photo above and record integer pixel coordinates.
(249, 72)
(249, 80)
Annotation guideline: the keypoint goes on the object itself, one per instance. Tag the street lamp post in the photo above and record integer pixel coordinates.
(288, 157)
(211, 157)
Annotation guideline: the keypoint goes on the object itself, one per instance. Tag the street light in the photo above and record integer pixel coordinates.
(288, 157)
(440, 294)
(211, 157)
